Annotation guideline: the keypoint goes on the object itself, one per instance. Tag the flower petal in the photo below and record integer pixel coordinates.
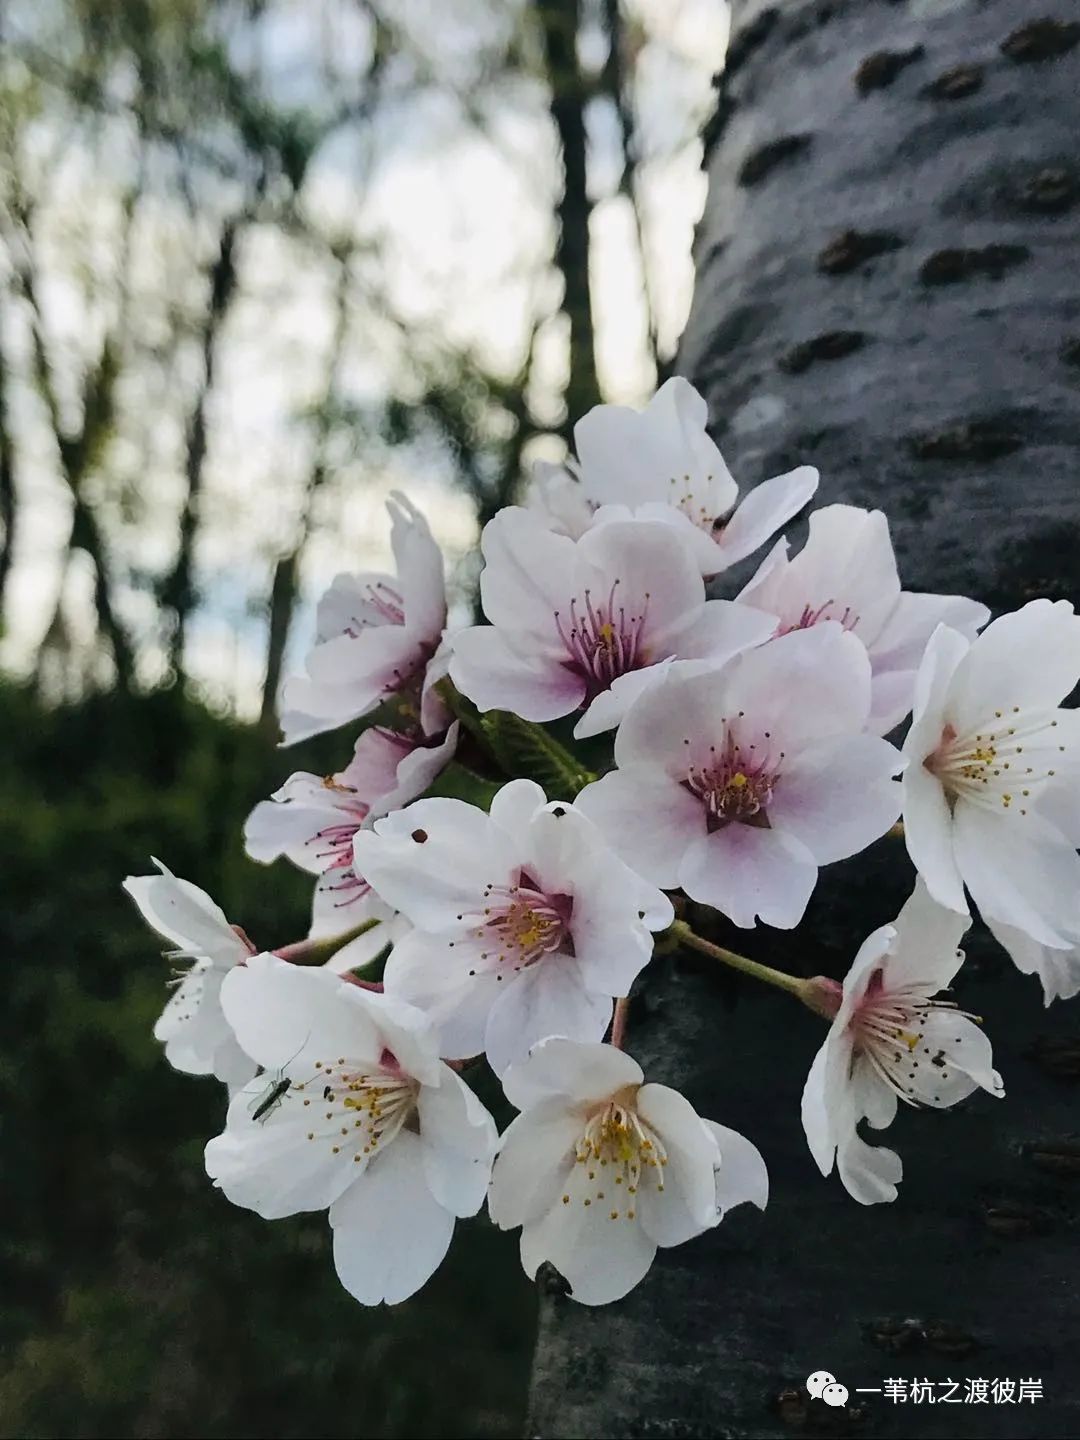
(536, 1154)
(187, 916)
(647, 819)
(548, 998)
(744, 872)
(566, 1069)
(742, 1177)
(390, 1233)
(459, 1141)
(838, 796)
(762, 512)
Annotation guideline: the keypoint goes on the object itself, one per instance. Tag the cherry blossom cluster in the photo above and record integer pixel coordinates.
(744, 746)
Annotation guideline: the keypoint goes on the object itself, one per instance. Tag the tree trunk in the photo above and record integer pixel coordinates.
(560, 22)
(887, 290)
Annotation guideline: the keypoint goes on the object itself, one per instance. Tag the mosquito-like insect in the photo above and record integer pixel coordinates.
(276, 1090)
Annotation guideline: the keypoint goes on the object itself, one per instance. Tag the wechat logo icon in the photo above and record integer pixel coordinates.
(823, 1386)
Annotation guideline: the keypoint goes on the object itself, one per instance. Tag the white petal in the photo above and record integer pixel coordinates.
(870, 1173)
(559, 1068)
(419, 564)
(954, 1057)
(529, 573)
(513, 810)
(611, 705)
(536, 1153)
(269, 1165)
(1058, 969)
(762, 512)
(647, 819)
(548, 998)
(500, 670)
(433, 860)
(603, 1259)
(655, 575)
(925, 951)
(838, 796)
(443, 976)
(416, 770)
(745, 872)
(390, 1233)
(720, 630)
(871, 1098)
(282, 1013)
(803, 687)
(742, 1177)
(1020, 871)
(691, 1149)
(823, 1099)
(459, 1140)
(634, 457)
(1030, 658)
(928, 835)
(187, 916)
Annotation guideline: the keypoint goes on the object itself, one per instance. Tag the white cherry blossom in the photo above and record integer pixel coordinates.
(193, 1029)
(846, 572)
(891, 1041)
(370, 1125)
(992, 784)
(586, 623)
(600, 1169)
(526, 923)
(375, 635)
(660, 464)
(737, 785)
(555, 495)
(312, 819)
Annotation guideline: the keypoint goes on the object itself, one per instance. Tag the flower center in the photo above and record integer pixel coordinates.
(889, 1030)
(615, 1157)
(354, 1108)
(1002, 764)
(813, 615)
(522, 924)
(603, 639)
(384, 607)
(736, 783)
(689, 502)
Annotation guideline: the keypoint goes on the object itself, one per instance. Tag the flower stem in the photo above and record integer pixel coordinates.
(318, 952)
(791, 983)
(618, 1023)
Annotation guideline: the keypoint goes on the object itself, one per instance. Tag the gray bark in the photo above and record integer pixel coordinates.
(887, 290)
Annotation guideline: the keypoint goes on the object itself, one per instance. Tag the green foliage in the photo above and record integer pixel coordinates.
(523, 748)
(136, 1300)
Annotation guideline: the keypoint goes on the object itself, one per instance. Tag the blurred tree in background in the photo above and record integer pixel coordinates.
(261, 263)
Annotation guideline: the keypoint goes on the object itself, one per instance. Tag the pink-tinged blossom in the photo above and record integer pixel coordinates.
(585, 624)
(846, 572)
(992, 784)
(355, 1113)
(312, 820)
(891, 1040)
(660, 464)
(601, 1169)
(375, 635)
(737, 785)
(193, 1029)
(555, 496)
(526, 924)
